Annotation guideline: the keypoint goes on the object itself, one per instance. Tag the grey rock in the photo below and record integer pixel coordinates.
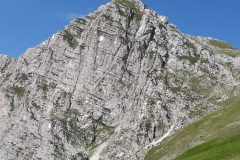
(123, 77)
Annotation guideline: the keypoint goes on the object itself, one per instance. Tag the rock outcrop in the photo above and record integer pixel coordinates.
(120, 78)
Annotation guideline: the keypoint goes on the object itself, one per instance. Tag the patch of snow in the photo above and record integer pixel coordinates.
(53, 36)
(101, 38)
(49, 125)
(115, 41)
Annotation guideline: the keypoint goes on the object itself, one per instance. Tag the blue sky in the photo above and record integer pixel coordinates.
(26, 23)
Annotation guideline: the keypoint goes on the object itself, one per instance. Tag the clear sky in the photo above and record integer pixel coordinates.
(26, 23)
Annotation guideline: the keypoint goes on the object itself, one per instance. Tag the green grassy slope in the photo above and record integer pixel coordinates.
(221, 44)
(216, 136)
(225, 48)
(221, 148)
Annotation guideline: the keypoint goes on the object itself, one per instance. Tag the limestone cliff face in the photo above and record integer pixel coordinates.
(123, 76)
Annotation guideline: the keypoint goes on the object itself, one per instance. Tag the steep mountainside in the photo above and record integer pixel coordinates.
(216, 136)
(111, 85)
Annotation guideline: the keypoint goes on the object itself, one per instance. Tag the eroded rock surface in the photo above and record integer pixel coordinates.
(122, 75)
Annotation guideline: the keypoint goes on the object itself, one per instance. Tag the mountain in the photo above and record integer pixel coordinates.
(112, 85)
(216, 136)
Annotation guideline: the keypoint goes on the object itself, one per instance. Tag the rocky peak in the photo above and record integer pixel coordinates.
(114, 83)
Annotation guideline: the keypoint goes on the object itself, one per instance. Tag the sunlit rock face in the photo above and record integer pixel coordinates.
(110, 85)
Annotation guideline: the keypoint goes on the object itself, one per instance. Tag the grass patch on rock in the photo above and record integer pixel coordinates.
(81, 21)
(232, 53)
(221, 44)
(132, 5)
(192, 59)
(67, 36)
(19, 91)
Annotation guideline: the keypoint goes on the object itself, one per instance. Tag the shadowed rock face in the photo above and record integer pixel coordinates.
(122, 74)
